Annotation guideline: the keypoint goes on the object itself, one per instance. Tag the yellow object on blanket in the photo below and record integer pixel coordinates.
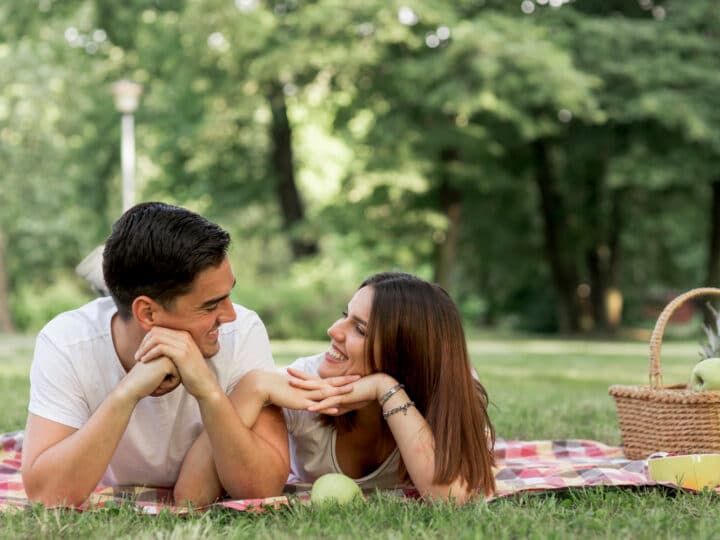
(692, 471)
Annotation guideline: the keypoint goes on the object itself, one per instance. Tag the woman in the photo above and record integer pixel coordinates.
(393, 402)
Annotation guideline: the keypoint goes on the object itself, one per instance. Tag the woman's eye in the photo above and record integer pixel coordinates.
(360, 330)
(344, 314)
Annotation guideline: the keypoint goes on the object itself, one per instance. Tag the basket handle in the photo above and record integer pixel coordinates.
(656, 381)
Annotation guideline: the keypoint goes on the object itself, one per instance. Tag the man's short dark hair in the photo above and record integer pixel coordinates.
(157, 249)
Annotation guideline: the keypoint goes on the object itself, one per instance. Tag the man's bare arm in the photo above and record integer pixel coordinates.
(62, 465)
(238, 446)
(198, 482)
(250, 463)
(256, 467)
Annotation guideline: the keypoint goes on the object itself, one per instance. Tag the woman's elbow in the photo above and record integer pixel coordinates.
(454, 494)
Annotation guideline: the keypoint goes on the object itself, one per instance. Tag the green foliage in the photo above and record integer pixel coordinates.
(711, 349)
(296, 299)
(34, 304)
(397, 110)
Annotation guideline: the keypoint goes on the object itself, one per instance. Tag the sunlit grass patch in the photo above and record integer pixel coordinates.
(538, 390)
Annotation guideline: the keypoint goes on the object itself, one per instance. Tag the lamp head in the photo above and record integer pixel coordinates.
(127, 96)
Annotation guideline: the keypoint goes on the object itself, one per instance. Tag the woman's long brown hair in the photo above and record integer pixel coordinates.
(415, 334)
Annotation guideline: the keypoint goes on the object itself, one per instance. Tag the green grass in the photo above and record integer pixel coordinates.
(539, 389)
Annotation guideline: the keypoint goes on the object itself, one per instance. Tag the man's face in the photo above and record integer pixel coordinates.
(201, 311)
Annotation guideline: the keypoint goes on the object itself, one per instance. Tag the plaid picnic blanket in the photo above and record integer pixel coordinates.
(522, 466)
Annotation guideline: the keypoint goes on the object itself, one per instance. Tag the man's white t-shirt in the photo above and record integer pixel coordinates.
(312, 444)
(75, 368)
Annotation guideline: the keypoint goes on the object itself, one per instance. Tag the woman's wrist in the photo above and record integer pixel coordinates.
(385, 384)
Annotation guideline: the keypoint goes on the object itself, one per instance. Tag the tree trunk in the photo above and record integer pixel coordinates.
(597, 253)
(451, 205)
(613, 300)
(713, 268)
(564, 276)
(6, 324)
(605, 224)
(282, 163)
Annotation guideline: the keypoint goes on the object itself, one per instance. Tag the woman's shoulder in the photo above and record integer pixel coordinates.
(308, 364)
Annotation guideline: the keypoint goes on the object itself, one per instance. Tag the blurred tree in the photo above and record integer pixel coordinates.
(6, 323)
(461, 102)
(533, 157)
(653, 99)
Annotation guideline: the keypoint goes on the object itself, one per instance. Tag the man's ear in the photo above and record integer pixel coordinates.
(144, 309)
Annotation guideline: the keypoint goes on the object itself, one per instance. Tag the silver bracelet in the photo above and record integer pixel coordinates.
(387, 395)
(404, 408)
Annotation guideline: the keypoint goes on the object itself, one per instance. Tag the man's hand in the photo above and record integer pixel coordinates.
(181, 349)
(151, 379)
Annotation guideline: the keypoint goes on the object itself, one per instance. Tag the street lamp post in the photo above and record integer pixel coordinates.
(127, 98)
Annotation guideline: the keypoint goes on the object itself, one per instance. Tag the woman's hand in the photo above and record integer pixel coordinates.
(274, 388)
(362, 392)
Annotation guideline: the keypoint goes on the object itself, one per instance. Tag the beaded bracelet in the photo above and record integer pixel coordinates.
(387, 395)
(404, 408)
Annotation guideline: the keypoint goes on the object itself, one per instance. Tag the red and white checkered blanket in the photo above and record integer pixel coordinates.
(521, 466)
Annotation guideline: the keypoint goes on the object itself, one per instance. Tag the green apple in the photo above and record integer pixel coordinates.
(706, 375)
(334, 487)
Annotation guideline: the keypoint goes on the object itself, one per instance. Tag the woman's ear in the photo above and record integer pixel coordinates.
(144, 311)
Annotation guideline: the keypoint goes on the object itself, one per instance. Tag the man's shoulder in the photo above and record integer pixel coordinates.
(245, 319)
(86, 322)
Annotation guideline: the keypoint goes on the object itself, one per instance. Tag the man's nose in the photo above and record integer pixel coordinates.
(227, 313)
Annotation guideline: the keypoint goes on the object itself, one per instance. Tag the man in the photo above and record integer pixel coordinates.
(104, 406)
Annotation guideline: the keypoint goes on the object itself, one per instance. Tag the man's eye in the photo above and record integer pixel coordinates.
(211, 308)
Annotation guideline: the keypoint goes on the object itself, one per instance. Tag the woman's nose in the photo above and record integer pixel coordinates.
(335, 331)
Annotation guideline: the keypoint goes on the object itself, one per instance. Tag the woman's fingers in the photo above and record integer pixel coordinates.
(331, 391)
(315, 384)
(302, 375)
(332, 411)
(306, 385)
(327, 403)
(341, 380)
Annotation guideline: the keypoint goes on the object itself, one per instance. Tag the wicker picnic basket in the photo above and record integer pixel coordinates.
(674, 418)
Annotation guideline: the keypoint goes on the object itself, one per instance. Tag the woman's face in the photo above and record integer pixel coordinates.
(346, 355)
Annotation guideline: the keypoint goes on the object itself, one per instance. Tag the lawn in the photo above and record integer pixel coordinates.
(539, 389)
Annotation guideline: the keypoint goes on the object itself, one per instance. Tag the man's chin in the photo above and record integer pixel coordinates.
(210, 350)
(162, 390)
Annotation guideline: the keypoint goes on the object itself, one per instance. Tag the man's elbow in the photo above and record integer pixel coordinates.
(40, 490)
